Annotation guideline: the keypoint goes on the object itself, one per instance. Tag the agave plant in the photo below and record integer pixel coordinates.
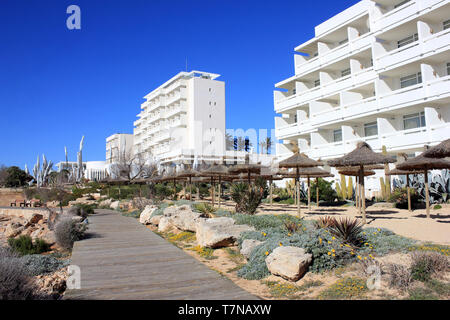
(348, 230)
(440, 187)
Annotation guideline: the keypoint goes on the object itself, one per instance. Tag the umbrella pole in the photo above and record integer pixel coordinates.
(220, 182)
(298, 195)
(212, 191)
(309, 194)
(271, 191)
(190, 188)
(198, 191)
(363, 194)
(317, 191)
(408, 190)
(427, 196)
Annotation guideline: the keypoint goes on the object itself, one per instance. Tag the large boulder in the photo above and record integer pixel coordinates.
(183, 217)
(146, 214)
(105, 203)
(290, 263)
(219, 232)
(248, 245)
(35, 218)
(115, 205)
(164, 224)
(155, 220)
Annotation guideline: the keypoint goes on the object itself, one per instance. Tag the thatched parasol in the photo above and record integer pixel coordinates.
(189, 174)
(298, 161)
(216, 171)
(361, 156)
(424, 164)
(442, 150)
(247, 168)
(397, 172)
(314, 173)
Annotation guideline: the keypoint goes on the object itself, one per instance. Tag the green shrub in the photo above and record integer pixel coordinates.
(205, 208)
(347, 288)
(382, 241)
(24, 245)
(247, 198)
(267, 220)
(437, 207)
(15, 282)
(133, 214)
(326, 191)
(425, 264)
(348, 230)
(40, 264)
(67, 231)
(400, 198)
(422, 294)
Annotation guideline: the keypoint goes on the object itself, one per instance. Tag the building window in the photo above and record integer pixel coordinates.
(407, 40)
(448, 68)
(316, 83)
(414, 120)
(345, 72)
(343, 41)
(446, 24)
(337, 135)
(370, 129)
(411, 80)
(294, 91)
(401, 3)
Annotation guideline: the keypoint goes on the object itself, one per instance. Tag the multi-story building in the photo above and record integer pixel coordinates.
(378, 72)
(183, 118)
(118, 144)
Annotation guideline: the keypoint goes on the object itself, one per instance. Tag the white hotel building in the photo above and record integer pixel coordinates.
(182, 118)
(378, 72)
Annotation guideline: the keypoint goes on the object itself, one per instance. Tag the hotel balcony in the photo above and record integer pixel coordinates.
(403, 13)
(352, 81)
(418, 50)
(176, 96)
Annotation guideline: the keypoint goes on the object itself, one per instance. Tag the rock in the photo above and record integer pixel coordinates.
(48, 236)
(164, 224)
(13, 230)
(145, 216)
(183, 217)
(115, 205)
(248, 245)
(105, 203)
(290, 263)
(218, 232)
(155, 220)
(35, 218)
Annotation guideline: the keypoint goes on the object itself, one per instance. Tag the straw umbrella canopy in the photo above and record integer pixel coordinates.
(317, 173)
(216, 171)
(424, 164)
(188, 173)
(397, 172)
(361, 156)
(298, 161)
(246, 168)
(442, 150)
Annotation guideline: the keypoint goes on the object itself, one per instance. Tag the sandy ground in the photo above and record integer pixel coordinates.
(413, 225)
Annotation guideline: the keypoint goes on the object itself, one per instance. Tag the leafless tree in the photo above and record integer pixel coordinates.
(132, 166)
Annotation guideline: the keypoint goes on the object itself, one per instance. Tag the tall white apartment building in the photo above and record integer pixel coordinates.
(117, 145)
(378, 72)
(183, 118)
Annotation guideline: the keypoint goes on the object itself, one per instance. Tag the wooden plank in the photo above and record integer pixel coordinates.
(124, 260)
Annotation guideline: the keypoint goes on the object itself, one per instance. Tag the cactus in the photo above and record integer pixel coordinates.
(350, 188)
(343, 188)
(383, 189)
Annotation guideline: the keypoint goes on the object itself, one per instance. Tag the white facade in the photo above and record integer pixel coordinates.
(93, 170)
(118, 144)
(182, 118)
(378, 72)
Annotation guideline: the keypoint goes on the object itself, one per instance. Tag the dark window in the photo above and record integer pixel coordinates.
(337, 135)
(411, 80)
(407, 40)
(414, 120)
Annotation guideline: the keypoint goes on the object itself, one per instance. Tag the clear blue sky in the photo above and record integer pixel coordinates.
(57, 85)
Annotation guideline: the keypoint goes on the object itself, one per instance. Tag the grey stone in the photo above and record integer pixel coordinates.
(290, 263)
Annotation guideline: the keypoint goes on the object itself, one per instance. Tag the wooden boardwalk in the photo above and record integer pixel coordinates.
(122, 259)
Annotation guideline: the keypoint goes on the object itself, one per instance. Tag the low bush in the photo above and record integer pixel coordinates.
(347, 288)
(15, 283)
(398, 276)
(247, 198)
(437, 207)
(67, 231)
(133, 214)
(382, 241)
(39, 264)
(348, 230)
(204, 208)
(400, 198)
(25, 245)
(82, 210)
(426, 264)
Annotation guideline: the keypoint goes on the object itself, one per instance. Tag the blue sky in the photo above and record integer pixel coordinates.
(58, 84)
